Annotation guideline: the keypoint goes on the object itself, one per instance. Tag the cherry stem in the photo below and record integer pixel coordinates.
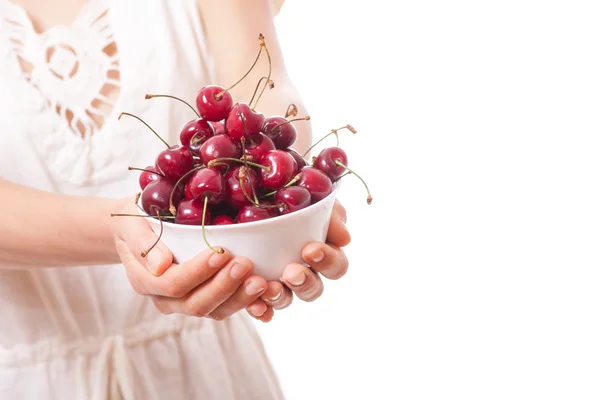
(219, 250)
(211, 163)
(262, 44)
(137, 201)
(145, 253)
(172, 208)
(145, 170)
(151, 96)
(369, 198)
(291, 110)
(333, 132)
(255, 201)
(149, 127)
(262, 41)
(345, 173)
(271, 86)
(243, 140)
(290, 183)
(307, 118)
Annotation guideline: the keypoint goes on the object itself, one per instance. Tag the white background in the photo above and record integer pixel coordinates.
(475, 272)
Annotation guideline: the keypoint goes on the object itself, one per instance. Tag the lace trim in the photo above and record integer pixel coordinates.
(75, 69)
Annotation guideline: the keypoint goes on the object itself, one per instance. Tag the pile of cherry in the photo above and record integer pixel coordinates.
(234, 165)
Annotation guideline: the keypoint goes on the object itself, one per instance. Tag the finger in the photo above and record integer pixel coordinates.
(204, 299)
(245, 295)
(339, 210)
(267, 316)
(140, 237)
(329, 261)
(277, 295)
(338, 234)
(303, 282)
(257, 309)
(180, 279)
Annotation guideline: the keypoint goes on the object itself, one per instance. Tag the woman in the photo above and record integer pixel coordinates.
(83, 316)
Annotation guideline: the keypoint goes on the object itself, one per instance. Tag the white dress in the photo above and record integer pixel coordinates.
(82, 333)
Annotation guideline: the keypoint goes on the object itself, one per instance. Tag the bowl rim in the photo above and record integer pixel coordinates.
(207, 228)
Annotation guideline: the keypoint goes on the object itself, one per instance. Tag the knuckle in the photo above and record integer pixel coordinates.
(313, 293)
(172, 288)
(195, 310)
(160, 307)
(341, 270)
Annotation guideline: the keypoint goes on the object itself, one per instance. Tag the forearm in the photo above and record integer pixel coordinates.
(47, 229)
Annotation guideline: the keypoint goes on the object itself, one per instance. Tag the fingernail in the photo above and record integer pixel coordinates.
(317, 256)
(252, 289)
(155, 258)
(238, 271)
(259, 313)
(217, 260)
(298, 279)
(276, 297)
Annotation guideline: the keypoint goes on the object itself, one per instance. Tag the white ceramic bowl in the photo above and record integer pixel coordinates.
(270, 244)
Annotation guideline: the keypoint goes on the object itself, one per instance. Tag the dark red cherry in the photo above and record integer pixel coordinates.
(195, 133)
(243, 122)
(189, 212)
(223, 220)
(282, 168)
(219, 127)
(156, 196)
(316, 182)
(207, 182)
(187, 194)
(292, 199)
(299, 159)
(326, 159)
(283, 136)
(218, 147)
(250, 213)
(259, 147)
(173, 163)
(150, 175)
(214, 103)
(235, 196)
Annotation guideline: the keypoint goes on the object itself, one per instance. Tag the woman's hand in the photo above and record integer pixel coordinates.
(209, 285)
(326, 259)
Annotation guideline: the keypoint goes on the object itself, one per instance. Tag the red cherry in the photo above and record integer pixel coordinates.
(219, 127)
(243, 122)
(259, 147)
(326, 162)
(189, 212)
(150, 174)
(299, 159)
(214, 103)
(283, 136)
(223, 220)
(316, 182)
(156, 196)
(252, 213)
(195, 133)
(187, 194)
(218, 147)
(282, 168)
(235, 196)
(175, 162)
(207, 182)
(292, 199)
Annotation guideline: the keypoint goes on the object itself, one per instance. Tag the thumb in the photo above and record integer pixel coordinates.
(144, 244)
